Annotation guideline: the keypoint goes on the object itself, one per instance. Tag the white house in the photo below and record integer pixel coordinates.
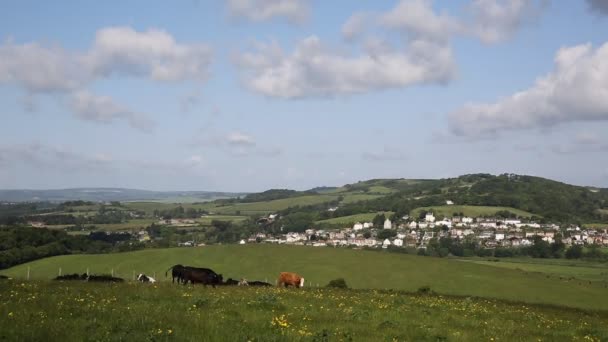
(398, 242)
(386, 243)
(423, 225)
(388, 224)
(444, 222)
(367, 225)
(467, 220)
(499, 236)
(429, 217)
(413, 225)
(448, 202)
(242, 242)
(358, 226)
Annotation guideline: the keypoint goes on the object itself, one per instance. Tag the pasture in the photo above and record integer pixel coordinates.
(319, 265)
(468, 210)
(556, 268)
(79, 311)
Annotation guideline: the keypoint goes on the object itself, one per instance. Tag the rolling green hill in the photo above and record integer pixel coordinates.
(468, 210)
(361, 269)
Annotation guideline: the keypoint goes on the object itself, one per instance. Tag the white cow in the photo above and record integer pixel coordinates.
(145, 279)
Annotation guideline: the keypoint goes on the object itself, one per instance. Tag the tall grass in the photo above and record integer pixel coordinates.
(64, 311)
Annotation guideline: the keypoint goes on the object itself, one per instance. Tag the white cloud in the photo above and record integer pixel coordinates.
(262, 10)
(153, 54)
(496, 20)
(422, 56)
(386, 154)
(576, 90)
(116, 50)
(316, 70)
(240, 139)
(601, 6)
(356, 24)
(417, 18)
(103, 109)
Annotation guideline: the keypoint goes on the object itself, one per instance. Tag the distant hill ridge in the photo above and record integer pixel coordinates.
(111, 194)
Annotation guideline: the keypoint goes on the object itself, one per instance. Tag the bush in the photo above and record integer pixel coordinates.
(338, 283)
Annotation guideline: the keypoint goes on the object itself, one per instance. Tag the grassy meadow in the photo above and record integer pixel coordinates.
(468, 210)
(80, 311)
(361, 269)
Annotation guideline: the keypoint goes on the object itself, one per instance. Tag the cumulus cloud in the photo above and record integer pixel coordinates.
(103, 109)
(599, 6)
(495, 20)
(417, 18)
(423, 54)
(262, 10)
(153, 53)
(314, 69)
(576, 90)
(116, 51)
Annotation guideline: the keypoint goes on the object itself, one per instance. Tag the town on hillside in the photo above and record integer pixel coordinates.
(408, 232)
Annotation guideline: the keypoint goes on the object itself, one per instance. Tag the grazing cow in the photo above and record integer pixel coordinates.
(258, 283)
(290, 278)
(230, 282)
(204, 276)
(177, 271)
(104, 278)
(145, 279)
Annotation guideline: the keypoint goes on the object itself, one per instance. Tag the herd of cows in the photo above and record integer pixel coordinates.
(193, 275)
(206, 276)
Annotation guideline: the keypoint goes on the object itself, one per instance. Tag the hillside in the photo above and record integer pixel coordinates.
(361, 269)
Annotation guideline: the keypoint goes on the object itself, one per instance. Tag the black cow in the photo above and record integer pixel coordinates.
(104, 278)
(258, 283)
(177, 271)
(204, 276)
(2, 276)
(230, 282)
(74, 276)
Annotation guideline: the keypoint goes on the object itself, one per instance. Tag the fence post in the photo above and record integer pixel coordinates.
(28, 273)
(87, 271)
(60, 271)
(112, 272)
(154, 275)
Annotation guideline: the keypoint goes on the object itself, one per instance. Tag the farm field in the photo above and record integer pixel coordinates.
(581, 271)
(468, 210)
(351, 219)
(79, 311)
(319, 265)
(132, 224)
(230, 218)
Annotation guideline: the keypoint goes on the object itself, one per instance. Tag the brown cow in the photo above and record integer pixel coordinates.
(289, 278)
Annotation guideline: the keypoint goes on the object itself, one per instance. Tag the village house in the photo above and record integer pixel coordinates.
(429, 217)
(388, 224)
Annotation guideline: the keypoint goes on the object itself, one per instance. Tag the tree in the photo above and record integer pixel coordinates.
(379, 220)
(574, 252)
(386, 234)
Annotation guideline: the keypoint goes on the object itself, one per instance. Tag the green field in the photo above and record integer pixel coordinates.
(352, 219)
(575, 271)
(206, 221)
(467, 210)
(361, 269)
(80, 311)
(132, 224)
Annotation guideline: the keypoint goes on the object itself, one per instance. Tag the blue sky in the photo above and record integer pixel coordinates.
(246, 95)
